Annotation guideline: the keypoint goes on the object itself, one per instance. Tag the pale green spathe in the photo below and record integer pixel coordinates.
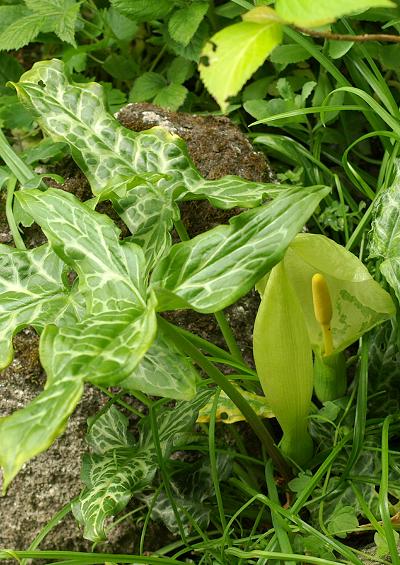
(283, 357)
(359, 303)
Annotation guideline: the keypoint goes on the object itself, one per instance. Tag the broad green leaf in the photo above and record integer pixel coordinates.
(180, 70)
(122, 27)
(342, 521)
(117, 468)
(171, 96)
(359, 303)
(228, 413)
(146, 87)
(143, 10)
(184, 22)
(163, 371)
(216, 268)
(283, 358)
(233, 54)
(29, 431)
(32, 292)
(309, 13)
(385, 235)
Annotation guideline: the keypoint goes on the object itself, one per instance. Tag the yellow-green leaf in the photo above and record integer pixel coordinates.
(308, 13)
(233, 54)
(227, 411)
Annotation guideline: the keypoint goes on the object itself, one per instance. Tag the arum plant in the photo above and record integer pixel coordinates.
(317, 301)
(103, 327)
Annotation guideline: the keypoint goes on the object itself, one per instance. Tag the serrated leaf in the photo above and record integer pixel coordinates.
(184, 22)
(308, 13)
(193, 49)
(163, 371)
(32, 292)
(21, 32)
(29, 431)
(227, 411)
(171, 97)
(58, 16)
(385, 235)
(233, 54)
(143, 10)
(180, 70)
(216, 268)
(146, 87)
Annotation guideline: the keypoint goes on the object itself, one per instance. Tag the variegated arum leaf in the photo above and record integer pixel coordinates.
(359, 303)
(31, 430)
(117, 467)
(110, 272)
(149, 210)
(283, 357)
(228, 413)
(115, 158)
(106, 152)
(32, 292)
(163, 371)
(214, 269)
(385, 235)
(112, 473)
(119, 326)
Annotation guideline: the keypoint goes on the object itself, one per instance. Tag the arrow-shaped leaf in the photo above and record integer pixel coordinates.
(214, 269)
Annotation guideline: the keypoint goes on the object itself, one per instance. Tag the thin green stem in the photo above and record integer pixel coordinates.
(228, 336)
(383, 495)
(164, 474)
(220, 379)
(89, 558)
(277, 520)
(213, 462)
(19, 242)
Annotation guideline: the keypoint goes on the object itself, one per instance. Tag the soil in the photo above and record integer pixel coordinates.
(50, 480)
